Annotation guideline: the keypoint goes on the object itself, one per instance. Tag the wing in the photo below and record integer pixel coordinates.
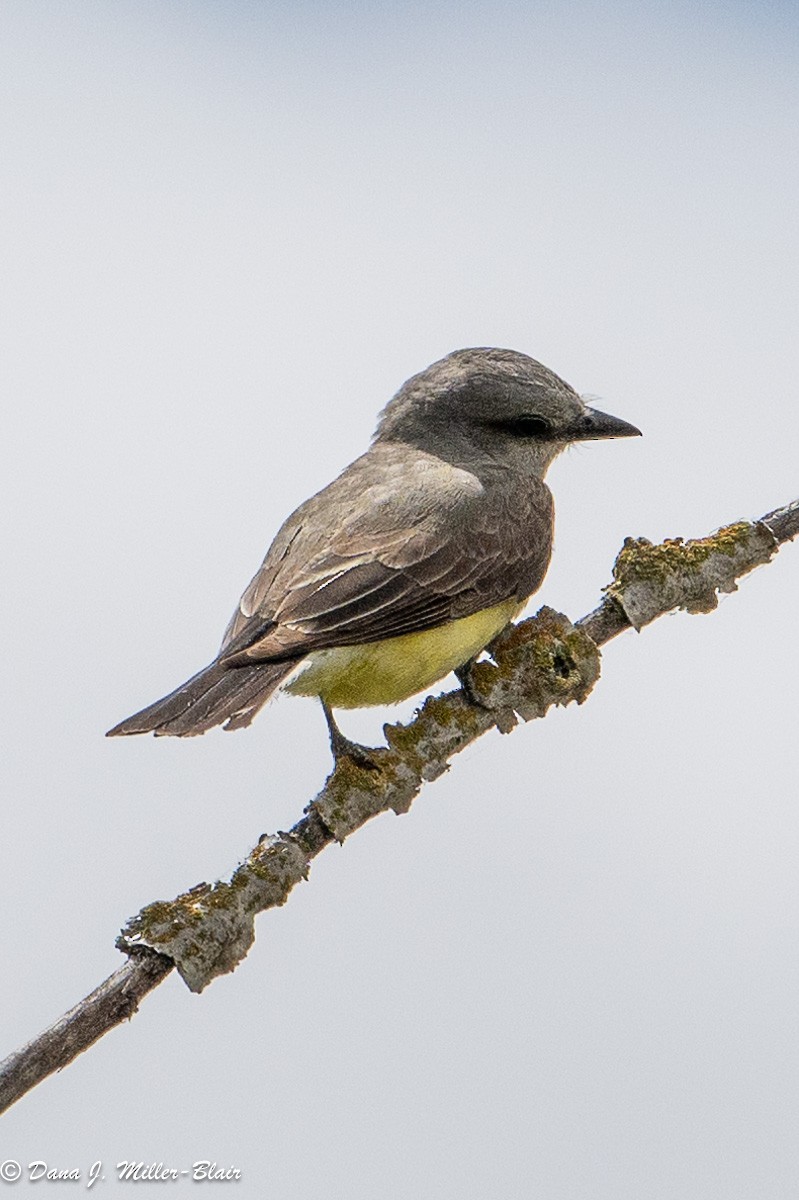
(399, 543)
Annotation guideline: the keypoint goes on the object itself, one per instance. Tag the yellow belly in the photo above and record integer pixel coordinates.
(389, 671)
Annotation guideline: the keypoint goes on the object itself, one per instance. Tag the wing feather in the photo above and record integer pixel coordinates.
(399, 543)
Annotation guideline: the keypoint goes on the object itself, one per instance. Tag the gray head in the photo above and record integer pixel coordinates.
(498, 404)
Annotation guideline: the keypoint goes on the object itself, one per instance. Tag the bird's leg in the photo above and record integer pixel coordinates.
(342, 747)
(466, 680)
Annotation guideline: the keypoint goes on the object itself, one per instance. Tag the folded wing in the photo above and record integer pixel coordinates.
(401, 542)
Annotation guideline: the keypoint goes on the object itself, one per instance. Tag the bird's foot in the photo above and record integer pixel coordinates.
(465, 678)
(342, 747)
(362, 756)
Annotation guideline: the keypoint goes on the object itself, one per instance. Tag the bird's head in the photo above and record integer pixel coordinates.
(496, 404)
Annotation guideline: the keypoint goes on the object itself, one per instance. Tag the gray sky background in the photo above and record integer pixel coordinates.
(230, 231)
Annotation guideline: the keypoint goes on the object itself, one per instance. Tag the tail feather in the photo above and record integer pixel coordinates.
(212, 696)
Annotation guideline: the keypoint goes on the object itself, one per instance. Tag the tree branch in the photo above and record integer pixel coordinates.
(539, 663)
(114, 1001)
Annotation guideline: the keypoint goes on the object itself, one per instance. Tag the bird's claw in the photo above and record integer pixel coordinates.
(362, 756)
(466, 680)
(342, 747)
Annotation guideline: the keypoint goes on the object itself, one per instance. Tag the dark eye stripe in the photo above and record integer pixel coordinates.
(528, 425)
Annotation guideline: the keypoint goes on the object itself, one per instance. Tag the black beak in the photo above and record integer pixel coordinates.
(593, 424)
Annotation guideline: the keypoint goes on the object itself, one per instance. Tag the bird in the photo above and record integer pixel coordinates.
(410, 562)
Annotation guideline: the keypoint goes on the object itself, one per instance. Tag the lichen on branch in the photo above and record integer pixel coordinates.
(649, 580)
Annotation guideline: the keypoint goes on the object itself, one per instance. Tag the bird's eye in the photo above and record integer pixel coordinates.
(527, 425)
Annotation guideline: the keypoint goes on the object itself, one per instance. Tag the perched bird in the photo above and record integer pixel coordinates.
(409, 563)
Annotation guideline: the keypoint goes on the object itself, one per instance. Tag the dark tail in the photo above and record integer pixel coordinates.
(218, 693)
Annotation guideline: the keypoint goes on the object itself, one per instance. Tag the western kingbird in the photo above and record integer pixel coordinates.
(408, 564)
